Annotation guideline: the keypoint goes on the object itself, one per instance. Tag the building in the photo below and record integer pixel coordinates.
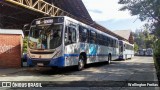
(127, 34)
(11, 44)
(15, 13)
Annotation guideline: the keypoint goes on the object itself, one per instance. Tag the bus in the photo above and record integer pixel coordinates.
(142, 52)
(126, 50)
(61, 41)
(149, 52)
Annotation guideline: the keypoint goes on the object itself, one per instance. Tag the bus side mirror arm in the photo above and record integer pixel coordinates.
(25, 29)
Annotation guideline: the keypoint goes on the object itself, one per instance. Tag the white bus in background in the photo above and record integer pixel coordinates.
(126, 50)
(149, 52)
(142, 52)
(62, 41)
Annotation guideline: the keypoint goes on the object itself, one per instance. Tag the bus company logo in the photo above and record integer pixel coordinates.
(6, 84)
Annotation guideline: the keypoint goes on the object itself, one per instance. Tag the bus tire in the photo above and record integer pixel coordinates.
(81, 63)
(109, 59)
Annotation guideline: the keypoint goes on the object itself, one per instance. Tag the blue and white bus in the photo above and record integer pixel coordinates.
(62, 41)
(126, 50)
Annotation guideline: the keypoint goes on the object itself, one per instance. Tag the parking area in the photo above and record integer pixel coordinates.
(135, 69)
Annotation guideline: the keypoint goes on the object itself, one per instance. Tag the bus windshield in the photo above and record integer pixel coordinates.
(45, 37)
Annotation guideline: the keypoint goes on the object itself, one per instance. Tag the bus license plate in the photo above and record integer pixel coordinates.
(40, 64)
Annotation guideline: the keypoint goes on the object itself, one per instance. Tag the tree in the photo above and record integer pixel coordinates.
(135, 47)
(143, 38)
(146, 10)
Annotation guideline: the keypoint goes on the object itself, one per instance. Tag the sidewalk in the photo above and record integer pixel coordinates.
(7, 71)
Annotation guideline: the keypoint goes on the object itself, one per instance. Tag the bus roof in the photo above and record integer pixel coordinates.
(78, 22)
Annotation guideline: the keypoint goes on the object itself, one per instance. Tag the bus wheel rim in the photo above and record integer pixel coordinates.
(81, 64)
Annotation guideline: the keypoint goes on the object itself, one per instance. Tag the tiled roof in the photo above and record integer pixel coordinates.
(123, 33)
(127, 34)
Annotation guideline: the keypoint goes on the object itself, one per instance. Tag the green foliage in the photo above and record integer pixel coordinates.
(135, 47)
(157, 48)
(144, 39)
(146, 10)
(25, 44)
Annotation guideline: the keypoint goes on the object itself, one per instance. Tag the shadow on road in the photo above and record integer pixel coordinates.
(116, 70)
(63, 71)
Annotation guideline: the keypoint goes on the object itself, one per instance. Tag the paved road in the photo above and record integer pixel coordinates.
(136, 69)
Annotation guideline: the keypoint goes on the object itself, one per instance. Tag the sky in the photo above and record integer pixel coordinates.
(107, 14)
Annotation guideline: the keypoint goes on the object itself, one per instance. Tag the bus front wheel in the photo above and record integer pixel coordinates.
(81, 63)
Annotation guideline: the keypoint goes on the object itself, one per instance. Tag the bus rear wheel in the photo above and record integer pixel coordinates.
(81, 63)
(109, 59)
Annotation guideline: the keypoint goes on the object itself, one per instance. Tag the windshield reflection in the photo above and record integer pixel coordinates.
(45, 37)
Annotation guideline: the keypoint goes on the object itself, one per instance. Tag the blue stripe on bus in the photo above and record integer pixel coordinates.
(60, 61)
(87, 55)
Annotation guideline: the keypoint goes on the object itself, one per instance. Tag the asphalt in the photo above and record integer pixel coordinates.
(138, 70)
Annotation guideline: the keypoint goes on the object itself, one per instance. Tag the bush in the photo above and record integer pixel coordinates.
(156, 49)
(156, 54)
(156, 57)
(25, 44)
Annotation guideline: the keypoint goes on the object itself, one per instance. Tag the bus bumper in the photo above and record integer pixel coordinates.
(58, 62)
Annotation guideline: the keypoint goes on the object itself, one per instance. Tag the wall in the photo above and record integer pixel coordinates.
(10, 51)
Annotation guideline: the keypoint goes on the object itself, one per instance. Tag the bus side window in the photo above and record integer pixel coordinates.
(66, 35)
(92, 37)
(70, 35)
(73, 35)
(83, 34)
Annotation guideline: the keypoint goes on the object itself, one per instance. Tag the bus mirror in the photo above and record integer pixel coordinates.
(25, 29)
